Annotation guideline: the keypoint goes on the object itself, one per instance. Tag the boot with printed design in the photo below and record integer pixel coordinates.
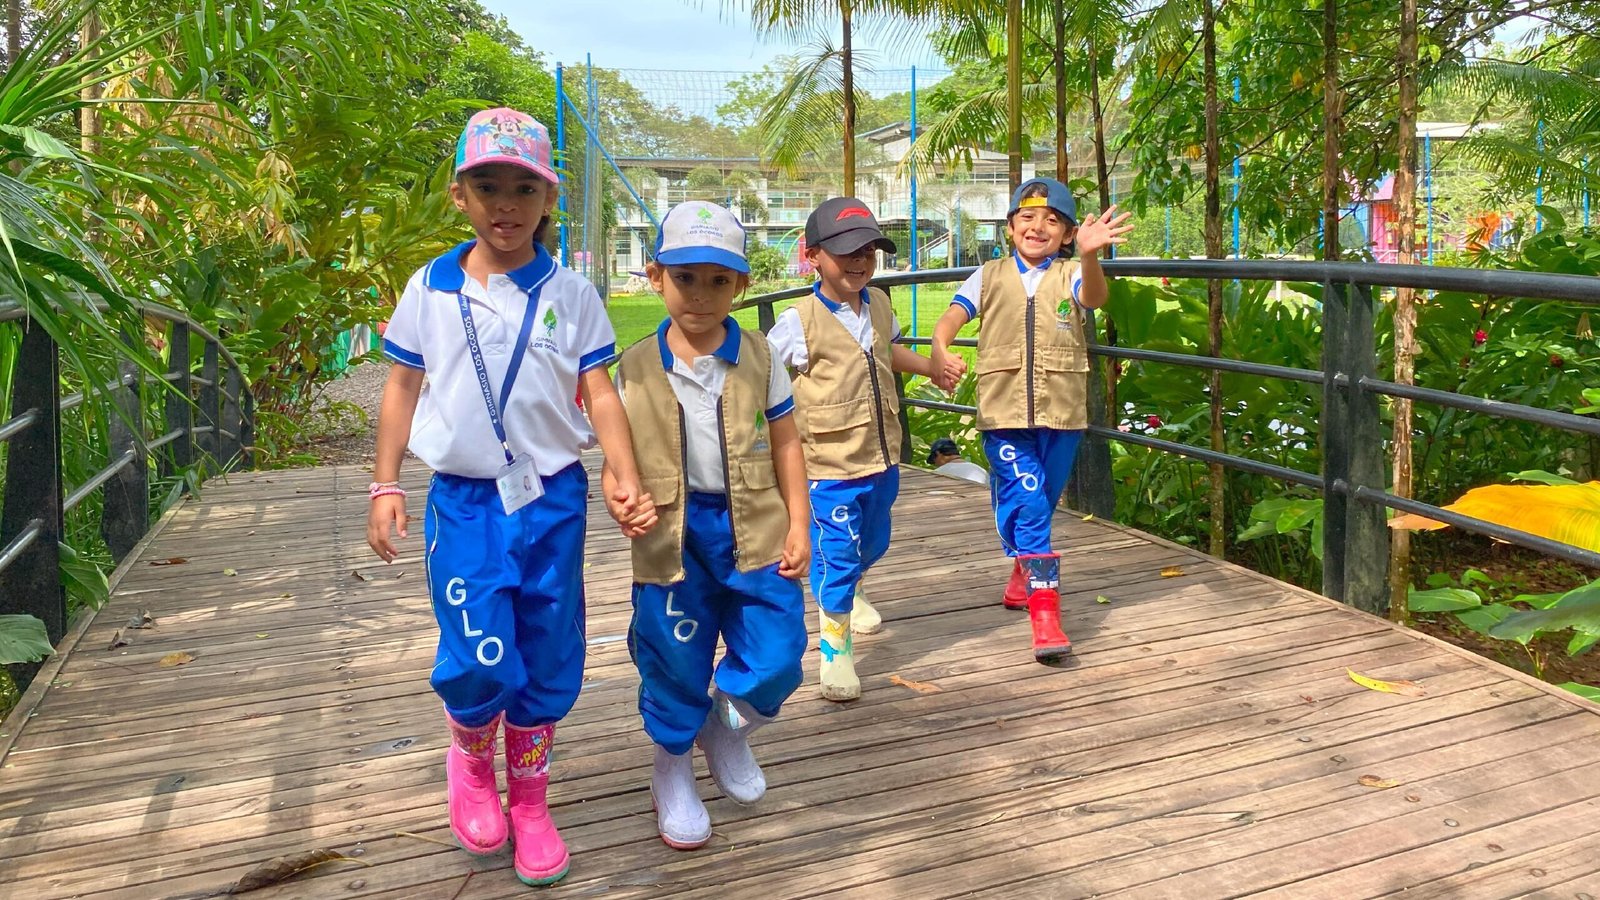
(724, 741)
(1050, 643)
(864, 619)
(540, 854)
(1016, 595)
(476, 818)
(681, 819)
(839, 681)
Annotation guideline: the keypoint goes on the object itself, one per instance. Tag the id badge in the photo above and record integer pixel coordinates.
(519, 484)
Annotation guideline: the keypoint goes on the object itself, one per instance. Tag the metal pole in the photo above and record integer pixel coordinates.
(589, 170)
(1586, 194)
(1427, 181)
(955, 248)
(1236, 174)
(561, 168)
(1538, 183)
(912, 150)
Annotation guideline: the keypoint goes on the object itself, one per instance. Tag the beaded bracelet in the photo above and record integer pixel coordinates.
(377, 490)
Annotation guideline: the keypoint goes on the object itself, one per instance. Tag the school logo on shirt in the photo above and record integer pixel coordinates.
(761, 432)
(546, 341)
(1064, 313)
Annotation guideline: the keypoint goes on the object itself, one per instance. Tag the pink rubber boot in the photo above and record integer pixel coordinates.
(475, 815)
(541, 856)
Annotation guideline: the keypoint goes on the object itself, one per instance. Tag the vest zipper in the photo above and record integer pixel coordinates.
(877, 406)
(1029, 325)
(727, 474)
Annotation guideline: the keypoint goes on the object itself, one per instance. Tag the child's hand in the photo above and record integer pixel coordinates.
(1100, 232)
(632, 508)
(948, 376)
(644, 518)
(796, 551)
(387, 510)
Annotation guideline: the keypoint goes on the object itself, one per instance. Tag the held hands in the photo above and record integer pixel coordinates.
(796, 551)
(1101, 231)
(947, 369)
(633, 509)
(386, 511)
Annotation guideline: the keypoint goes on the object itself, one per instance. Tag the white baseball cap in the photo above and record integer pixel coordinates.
(699, 232)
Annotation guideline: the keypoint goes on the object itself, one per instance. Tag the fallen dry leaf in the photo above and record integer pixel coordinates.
(230, 572)
(1089, 517)
(285, 596)
(169, 561)
(921, 687)
(283, 868)
(1102, 599)
(1406, 688)
(357, 575)
(1172, 571)
(1373, 781)
(1308, 698)
(117, 640)
(175, 659)
(141, 619)
(261, 634)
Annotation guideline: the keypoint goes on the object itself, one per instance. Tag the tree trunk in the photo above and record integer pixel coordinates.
(1213, 226)
(1063, 167)
(13, 31)
(1102, 173)
(849, 105)
(1405, 310)
(1332, 110)
(89, 115)
(1014, 90)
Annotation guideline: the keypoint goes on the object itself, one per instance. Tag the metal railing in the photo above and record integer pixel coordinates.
(35, 503)
(1353, 481)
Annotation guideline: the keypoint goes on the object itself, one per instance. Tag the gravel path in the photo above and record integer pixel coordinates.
(344, 419)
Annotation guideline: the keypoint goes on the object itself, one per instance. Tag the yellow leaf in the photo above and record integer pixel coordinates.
(1172, 571)
(175, 659)
(1089, 517)
(1569, 513)
(1373, 781)
(1406, 688)
(230, 572)
(921, 687)
(1102, 599)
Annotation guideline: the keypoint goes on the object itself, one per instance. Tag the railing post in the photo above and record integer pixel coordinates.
(32, 585)
(180, 406)
(1091, 489)
(232, 419)
(125, 515)
(766, 317)
(211, 405)
(1355, 557)
(247, 431)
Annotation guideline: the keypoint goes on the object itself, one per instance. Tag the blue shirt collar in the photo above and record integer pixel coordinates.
(1023, 267)
(832, 306)
(728, 352)
(446, 273)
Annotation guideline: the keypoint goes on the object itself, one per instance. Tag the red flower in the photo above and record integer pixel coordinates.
(1153, 421)
(1556, 360)
(1165, 281)
(1480, 337)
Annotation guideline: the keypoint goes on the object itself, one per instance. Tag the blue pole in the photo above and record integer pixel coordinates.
(912, 150)
(1538, 183)
(588, 167)
(606, 154)
(561, 167)
(1236, 174)
(1427, 181)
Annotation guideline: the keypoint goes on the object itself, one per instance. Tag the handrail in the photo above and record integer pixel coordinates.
(36, 502)
(1356, 546)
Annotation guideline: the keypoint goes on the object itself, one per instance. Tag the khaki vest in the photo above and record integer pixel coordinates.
(760, 518)
(845, 401)
(1033, 356)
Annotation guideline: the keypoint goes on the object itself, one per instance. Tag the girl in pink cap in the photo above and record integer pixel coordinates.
(491, 342)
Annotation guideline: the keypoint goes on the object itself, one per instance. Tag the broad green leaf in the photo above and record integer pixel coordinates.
(1588, 692)
(23, 640)
(1581, 643)
(1578, 610)
(1541, 476)
(1442, 600)
(1486, 617)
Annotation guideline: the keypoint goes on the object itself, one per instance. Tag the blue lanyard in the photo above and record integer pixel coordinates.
(512, 367)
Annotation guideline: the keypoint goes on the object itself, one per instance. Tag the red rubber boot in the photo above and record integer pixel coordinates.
(1016, 595)
(540, 856)
(1050, 643)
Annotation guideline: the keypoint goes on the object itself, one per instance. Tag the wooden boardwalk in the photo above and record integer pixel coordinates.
(1206, 743)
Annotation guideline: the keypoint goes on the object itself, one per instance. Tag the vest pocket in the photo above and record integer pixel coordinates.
(1064, 359)
(662, 488)
(831, 417)
(1063, 398)
(758, 474)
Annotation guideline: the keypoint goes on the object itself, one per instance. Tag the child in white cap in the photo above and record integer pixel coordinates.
(728, 480)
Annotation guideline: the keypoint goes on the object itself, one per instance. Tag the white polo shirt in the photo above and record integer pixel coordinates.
(571, 333)
(788, 337)
(970, 295)
(698, 386)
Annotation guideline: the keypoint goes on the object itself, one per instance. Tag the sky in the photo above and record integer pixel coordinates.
(689, 35)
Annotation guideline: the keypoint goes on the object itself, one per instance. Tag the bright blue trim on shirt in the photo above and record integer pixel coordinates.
(832, 306)
(1023, 268)
(728, 351)
(781, 410)
(597, 359)
(964, 303)
(447, 273)
(402, 356)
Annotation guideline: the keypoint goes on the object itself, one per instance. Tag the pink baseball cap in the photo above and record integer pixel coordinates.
(508, 137)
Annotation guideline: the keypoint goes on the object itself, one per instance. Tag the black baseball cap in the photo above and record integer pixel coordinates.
(942, 446)
(844, 225)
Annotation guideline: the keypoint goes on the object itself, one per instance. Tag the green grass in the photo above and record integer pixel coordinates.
(636, 315)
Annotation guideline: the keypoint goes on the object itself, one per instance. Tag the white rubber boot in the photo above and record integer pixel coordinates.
(724, 740)
(864, 619)
(839, 681)
(681, 818)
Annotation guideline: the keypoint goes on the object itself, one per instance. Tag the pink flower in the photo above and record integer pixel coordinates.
(1480, 337)
(1153, 421)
